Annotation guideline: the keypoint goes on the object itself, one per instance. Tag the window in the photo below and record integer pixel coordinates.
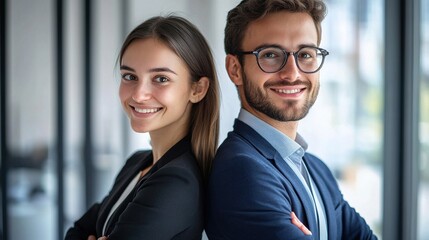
(31, 190)
(345, 126)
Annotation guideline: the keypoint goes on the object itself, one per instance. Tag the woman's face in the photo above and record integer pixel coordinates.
(155, 89)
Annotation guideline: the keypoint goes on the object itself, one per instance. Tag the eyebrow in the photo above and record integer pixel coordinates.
(124, 67)
(152, 70)
(279, 46)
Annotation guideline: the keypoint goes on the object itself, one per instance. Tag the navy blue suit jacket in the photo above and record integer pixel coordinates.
(252, 192)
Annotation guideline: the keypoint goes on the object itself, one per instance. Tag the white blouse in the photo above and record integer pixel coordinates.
(127, 191)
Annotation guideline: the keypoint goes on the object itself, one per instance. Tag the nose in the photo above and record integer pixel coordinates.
(290, 70)
(142, 92)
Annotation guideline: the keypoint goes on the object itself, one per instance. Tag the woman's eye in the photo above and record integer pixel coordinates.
(128, 77)
(161, 79)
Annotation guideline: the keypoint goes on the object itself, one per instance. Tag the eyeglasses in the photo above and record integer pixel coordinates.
(272, 59)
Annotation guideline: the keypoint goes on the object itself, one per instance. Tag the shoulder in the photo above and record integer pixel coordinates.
(132, 164)
(181, 171)
(236, 146)
(238, 162)
(185, 160)
(243, 150)
(136, 158)
(178, 183)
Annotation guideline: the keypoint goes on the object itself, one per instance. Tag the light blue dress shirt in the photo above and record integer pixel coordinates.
(292, 152)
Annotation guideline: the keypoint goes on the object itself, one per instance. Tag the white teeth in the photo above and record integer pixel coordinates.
(286, 91)
(147, 110)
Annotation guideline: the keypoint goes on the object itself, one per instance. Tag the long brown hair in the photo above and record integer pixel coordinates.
(190, 45)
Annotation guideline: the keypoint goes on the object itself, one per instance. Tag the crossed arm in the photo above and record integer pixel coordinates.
(294, 220)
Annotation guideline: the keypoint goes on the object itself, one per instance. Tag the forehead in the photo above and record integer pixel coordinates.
(151, 53)
(287, 29)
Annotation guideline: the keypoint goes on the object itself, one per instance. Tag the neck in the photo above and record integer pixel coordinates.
(289, 128)
(161, 142)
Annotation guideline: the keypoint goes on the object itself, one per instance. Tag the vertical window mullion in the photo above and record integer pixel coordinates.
(88, 136)
(411, 145)
(401, 119)
(60, 109)
(392, 210)
(3, 122)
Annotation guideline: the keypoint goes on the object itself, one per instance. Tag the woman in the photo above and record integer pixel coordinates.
(169, 89)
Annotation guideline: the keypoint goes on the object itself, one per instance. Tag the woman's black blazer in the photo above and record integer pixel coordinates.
(167, 203)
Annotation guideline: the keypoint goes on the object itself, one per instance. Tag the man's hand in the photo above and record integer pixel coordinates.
(299, 224)
(92, 237)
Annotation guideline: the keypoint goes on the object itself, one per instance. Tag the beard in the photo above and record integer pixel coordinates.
(290, 110)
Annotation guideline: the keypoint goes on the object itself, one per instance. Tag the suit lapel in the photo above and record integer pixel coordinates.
(326, 197)
(300, 190)
(272, 155)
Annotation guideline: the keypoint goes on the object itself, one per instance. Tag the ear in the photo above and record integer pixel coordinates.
(199, 89)
(233, 67)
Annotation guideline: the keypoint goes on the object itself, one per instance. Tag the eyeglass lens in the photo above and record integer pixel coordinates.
(272, 59)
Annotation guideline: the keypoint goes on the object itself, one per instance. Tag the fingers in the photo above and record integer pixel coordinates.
(298, 223)
(92, 237)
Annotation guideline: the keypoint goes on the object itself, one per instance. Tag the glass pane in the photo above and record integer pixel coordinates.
(344, 127)
(107, 111)
(423, 207)
(74, 173)
(31, 117)
(107, 131)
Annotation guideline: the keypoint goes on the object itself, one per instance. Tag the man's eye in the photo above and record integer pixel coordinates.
(306, 55)
(269, 55)
(128, 77)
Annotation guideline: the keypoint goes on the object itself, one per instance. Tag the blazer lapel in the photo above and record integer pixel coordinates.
(300, 190)
(136, 164)
(326, 198)
(272, 155)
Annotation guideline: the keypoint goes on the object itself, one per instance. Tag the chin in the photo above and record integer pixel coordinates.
(139, 129)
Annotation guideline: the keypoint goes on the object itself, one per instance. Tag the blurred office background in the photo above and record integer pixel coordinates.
(64, 135)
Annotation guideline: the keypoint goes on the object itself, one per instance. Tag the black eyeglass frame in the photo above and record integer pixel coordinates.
(256, 52)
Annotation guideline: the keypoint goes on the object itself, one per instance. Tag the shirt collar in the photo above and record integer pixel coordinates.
(281, 142)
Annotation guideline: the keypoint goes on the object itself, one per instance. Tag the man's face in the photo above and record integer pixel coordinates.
(288, 94)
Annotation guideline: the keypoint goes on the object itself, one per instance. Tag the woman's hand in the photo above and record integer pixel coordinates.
(299, 224)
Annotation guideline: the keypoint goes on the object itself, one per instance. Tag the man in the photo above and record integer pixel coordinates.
(263, 182)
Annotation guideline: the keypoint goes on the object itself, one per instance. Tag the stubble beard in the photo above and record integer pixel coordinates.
(256, 98)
